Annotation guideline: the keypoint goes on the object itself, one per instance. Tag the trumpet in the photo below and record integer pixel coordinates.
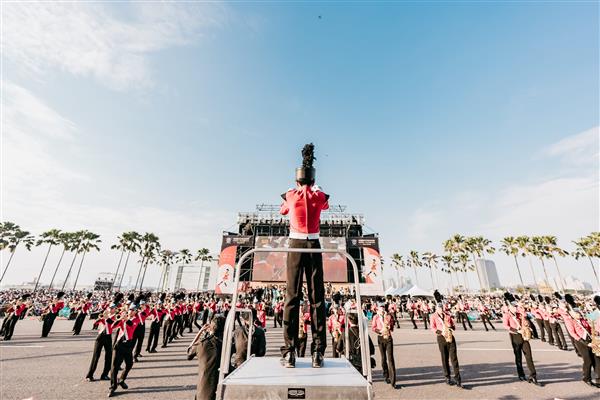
(337, 331)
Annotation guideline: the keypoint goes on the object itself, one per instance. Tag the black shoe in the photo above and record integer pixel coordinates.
(90, 379)
(123, 385)
(163, 346)
(449, 382)
(387, 380)
(289, 360)
(544, 340)
(139, 355)
(317, 360)
(111, 393)
(590, 383)
(153, 351)
(534, 381)
(522, 378)
(104, 378)
(135, 359)
(459, 384)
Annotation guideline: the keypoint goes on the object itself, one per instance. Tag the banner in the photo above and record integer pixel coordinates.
(371, 270)
(226, 270)
(271, 267)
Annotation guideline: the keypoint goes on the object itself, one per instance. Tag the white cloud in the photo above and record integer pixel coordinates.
(38, 187)
(89, 40)
(566, 205)
(580, 149)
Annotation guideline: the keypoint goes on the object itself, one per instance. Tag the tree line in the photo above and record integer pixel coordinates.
(461, 253)
(145, 246)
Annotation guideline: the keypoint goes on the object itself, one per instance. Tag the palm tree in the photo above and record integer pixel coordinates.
(51, 238)
(132, 242)
(587, 247)
(463, 260)
(121, 245)
(11, 236)
(540, 249)
(74, 246)
(150, 246)
(526, 249)
(397, 263)
(449, 261)
(65, 239)
(553, 251)
(203, 256)
(166, 260)
(90, 242)
(415, 261)
(510, 247)
(431, 261)
(478, 246)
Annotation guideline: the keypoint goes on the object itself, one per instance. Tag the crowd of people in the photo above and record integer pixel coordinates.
(121, 320)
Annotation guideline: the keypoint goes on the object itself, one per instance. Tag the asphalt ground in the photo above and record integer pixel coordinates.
(55, 367)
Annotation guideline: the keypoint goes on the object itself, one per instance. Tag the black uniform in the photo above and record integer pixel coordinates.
(103, 342)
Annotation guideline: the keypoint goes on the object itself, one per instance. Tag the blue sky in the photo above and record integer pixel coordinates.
(429, 118)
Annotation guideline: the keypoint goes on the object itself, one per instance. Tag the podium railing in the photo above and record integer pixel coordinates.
(230, 322)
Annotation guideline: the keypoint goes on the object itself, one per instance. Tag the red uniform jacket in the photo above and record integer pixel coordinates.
(304, 206)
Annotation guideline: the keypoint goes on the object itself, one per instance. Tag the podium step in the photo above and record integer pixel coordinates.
(263, 378)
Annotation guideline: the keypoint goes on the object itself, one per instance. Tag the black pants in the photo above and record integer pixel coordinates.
(548, 329)
(462, 316)
(301, 346)
(486, 320)
(78, 323)
(425, 317)
(386, 351)
(558, 335)
(138, 338)
(589, 360)
(334, 345)
(167, 327)
(123, 351)
(9, 328)
(521, 347)
(540, 324)
(277, 319)
(153, 336)
(310, 265)
(48, 322)
(448, 353)
(103, 342)
(412, 318)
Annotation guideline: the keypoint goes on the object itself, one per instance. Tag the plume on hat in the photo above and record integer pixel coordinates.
(60, 295)
(438, 296)
(308, 155)
(118, 298)
(557, 295)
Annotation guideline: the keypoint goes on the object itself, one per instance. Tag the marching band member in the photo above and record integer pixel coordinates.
(13, 314)
(103, 341)
(484, 314)
(82, 310)
(156, 316)
(123, 348)
(515, 321)
(304, 324)
(336, 325)
(581, 331)
(304, 204)
(443, 326)
(51, 313)
(462, 310)
(383, 326)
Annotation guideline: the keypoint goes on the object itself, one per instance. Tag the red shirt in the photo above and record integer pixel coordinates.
(20, 310)
(304, 206)
(58, 306)
(126, 328)
(377, 323)
(437, 322)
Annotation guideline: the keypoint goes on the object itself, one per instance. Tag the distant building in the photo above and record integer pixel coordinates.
(488, 274)
(573, 283)
(188, 276)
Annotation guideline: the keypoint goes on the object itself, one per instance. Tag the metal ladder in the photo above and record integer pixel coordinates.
(230, 322)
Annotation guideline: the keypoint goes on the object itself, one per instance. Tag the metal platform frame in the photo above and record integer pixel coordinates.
(230, 322)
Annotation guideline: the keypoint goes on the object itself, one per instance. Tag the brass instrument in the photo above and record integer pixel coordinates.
(447, 331)
(525, 329)
(385, 333)
(595, 343)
